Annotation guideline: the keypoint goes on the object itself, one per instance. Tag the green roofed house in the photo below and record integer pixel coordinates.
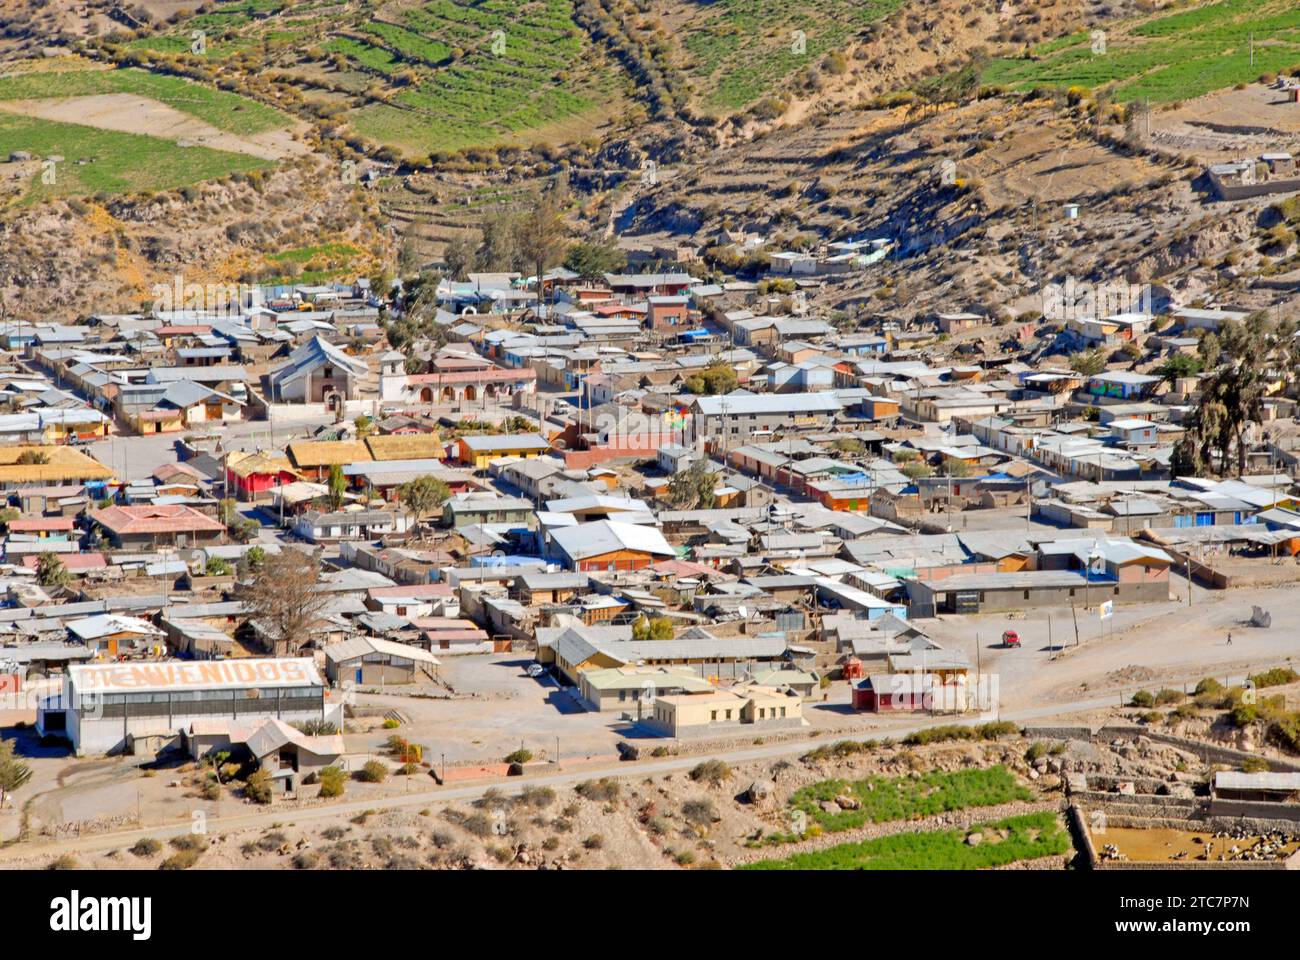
(630, 688)
(800, 681)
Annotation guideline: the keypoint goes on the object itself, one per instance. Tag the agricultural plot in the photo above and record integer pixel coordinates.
(738, 51)
(1174, 57)
(365, 55)
(408, 44)
(220, 28)
(228, 112)
(110, 161)
(1006, 841)
(501, 69)
(884, 799)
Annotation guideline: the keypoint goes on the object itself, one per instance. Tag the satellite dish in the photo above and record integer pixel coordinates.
(744, 613)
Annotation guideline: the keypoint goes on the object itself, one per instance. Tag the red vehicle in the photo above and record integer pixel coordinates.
(1010, 639)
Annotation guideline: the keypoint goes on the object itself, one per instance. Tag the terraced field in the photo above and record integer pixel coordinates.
(1006, 841)
(884, 799)
(497, 69)
(1167, 58)
(737, 51)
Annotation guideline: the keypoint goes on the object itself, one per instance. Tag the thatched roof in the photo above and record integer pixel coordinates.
(65, 464)
(324, 453)
(411, 446)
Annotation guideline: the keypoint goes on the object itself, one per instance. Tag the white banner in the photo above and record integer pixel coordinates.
(1106, 610)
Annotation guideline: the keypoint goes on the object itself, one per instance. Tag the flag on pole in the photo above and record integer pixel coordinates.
(1106, 610)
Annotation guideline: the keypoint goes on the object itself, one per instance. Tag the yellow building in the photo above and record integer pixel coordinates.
(723, 711)
(481, 449)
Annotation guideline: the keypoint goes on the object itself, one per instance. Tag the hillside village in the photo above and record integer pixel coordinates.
(641, 515)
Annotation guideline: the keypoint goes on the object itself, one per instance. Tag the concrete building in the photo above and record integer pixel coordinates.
(372, 661)
(635, 689)
(317, 372)
(722, 712)
(734, 417)
(107, 707)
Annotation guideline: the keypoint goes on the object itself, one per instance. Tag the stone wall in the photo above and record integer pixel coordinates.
(1210, 753)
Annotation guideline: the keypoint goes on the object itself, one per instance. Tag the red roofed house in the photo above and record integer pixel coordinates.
(72, 562)
(54, 528)
(148, 527)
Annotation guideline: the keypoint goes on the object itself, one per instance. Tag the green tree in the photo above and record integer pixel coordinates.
(1232, 394)
(540, 236)
(333, 781)
(460, 255)
(647, 628)
(50, 571)
(1178, 366)
(13, 772)
(338, 485)
(422, 496)
(1088, 363)
(592, 259)
(713, 380)
(693, 488)
(1209, 349)
(258, 786)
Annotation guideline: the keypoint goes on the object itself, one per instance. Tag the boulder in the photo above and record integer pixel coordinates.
(974, 839)
(848, 803)
(829, 806)
(759, 791)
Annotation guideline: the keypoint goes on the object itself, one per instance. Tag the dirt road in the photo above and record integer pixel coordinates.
(260, 818)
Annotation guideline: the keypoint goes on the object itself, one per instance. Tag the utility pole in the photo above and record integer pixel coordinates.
(950, 498)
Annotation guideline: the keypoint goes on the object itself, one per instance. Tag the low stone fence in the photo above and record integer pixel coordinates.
(1058, 733)
(1209, 752)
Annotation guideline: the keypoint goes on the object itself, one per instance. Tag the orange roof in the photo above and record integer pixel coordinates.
(169, 518)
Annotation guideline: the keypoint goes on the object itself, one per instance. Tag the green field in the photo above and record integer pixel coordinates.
(115, 162)
(365, 55)
(513, 67)
(885, 799)
(1028, 837)
(738, 51)
(1172, 57)
(408, 44)
(305, 254)
(225, 111)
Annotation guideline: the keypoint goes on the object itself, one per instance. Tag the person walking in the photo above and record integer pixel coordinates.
(1229, 638)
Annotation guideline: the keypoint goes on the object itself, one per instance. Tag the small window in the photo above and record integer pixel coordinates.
(1026, 594)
